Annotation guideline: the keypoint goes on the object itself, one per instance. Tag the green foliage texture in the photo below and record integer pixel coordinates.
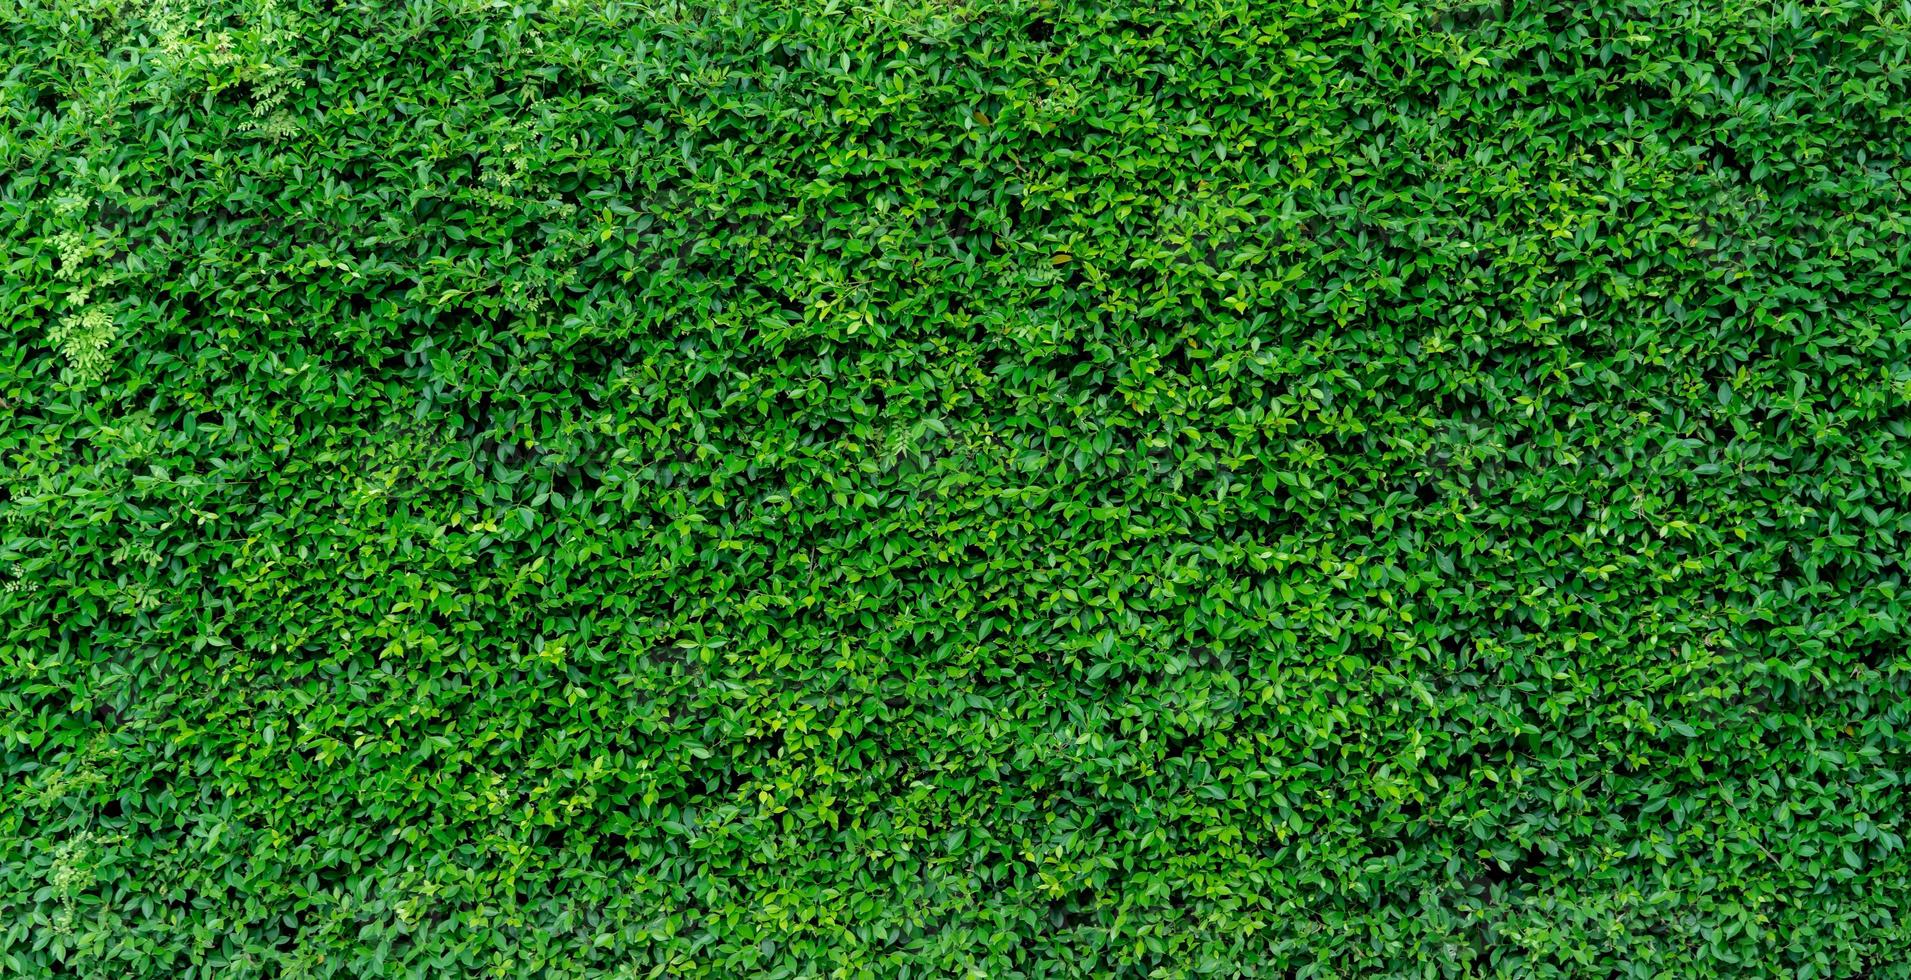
(954, 488)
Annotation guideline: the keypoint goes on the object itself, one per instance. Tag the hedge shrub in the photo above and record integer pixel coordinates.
(954, 488)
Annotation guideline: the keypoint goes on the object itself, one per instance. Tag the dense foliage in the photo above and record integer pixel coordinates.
(939, 488)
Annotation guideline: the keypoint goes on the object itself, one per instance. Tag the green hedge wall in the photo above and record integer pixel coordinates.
(931, 488)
